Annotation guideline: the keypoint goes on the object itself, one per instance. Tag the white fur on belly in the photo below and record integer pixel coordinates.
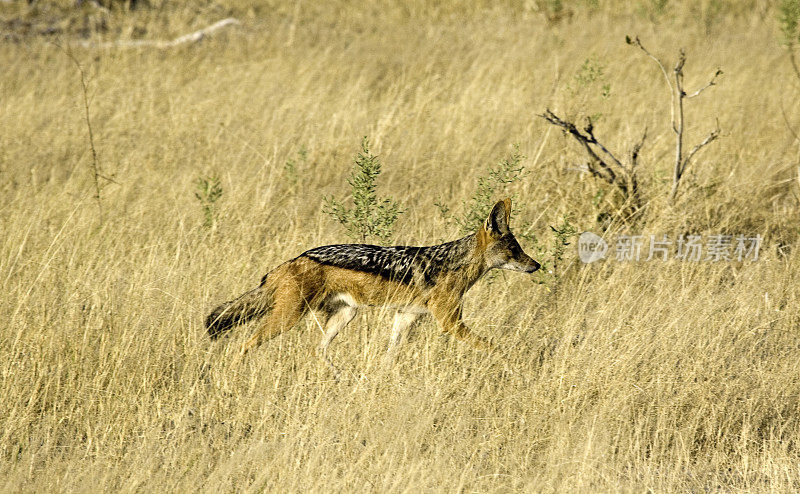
(349, 300)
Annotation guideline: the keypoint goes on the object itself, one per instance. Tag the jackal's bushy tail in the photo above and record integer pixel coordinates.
(247, 306)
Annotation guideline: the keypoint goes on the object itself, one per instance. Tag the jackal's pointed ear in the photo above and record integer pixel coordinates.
(497, 222)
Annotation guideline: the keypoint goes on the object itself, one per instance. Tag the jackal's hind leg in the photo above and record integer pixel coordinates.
(290, 307)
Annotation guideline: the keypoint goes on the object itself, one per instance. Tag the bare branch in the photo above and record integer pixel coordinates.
(792, 59)
(708, 140)
(627, 183)
(712, 82)
(680, 63)
(677, 117)
(607, 173)
(95, 165)
(108, 178)
(637, 42)
(192, 37)
(677, 125)
(590, 130)
(788, 124)
(682, 160)
(636, 148)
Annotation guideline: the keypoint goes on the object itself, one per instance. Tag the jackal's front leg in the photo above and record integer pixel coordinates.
(337, 320)
(403, 320)
(448, 316)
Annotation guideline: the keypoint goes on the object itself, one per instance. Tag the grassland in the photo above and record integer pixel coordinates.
(662, 376)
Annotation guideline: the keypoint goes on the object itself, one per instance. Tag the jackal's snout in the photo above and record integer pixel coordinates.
(532, 266)
(522, 262)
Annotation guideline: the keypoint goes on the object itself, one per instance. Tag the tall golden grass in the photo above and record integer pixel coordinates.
(662, 376)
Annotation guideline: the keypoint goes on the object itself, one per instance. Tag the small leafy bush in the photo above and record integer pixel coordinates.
(208, 192)
(370, 214)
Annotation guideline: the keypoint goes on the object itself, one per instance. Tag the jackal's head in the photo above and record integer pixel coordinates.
(501, 249)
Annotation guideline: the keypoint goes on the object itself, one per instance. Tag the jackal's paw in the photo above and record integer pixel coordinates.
(323, 355)
(482, 343)
(249, 345)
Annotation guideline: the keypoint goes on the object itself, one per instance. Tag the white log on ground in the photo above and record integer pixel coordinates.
(192, 37)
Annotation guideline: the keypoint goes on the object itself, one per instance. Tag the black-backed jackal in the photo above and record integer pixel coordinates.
(337, 280)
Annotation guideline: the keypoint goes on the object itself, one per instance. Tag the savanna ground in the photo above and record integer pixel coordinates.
(662, 376)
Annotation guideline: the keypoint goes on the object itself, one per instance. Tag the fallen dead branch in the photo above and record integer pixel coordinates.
(192, 37)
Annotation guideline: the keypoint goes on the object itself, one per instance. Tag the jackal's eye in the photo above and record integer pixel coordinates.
(512, 246)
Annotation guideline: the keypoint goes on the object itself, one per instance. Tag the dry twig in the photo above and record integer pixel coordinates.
(192, 37)
(604, 167)
(677, 95)
(96, 175)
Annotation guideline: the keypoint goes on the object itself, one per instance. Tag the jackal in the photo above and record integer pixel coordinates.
(337, 280)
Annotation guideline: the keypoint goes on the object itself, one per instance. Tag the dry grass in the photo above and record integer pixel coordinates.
(625, 377)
